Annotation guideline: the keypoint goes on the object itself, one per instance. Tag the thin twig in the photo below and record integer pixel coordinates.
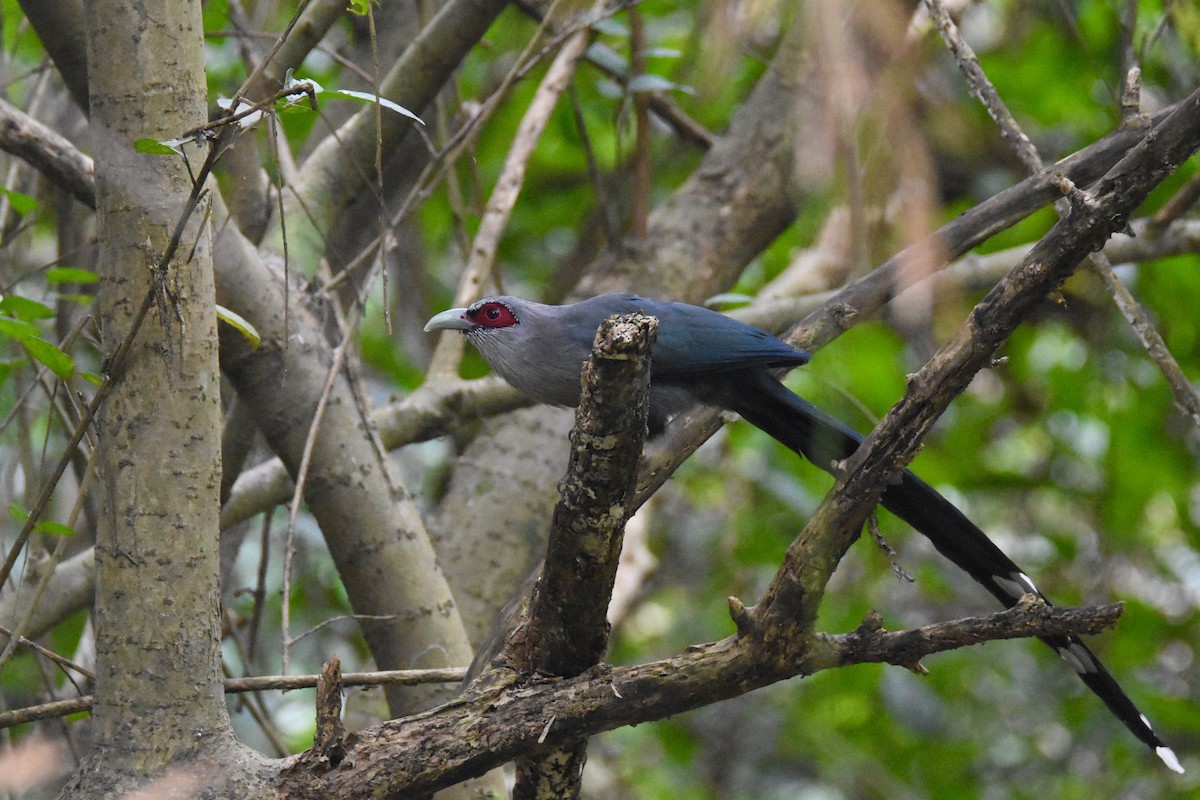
(342, 618)
(481, 260)
(62, 661)
(17, 636)
(1186, 396)
(393, 677)
(258, 683)
(259, 593)
(982, 88)
(641, 128)
(339, 355)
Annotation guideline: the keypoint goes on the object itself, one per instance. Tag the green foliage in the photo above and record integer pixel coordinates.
(15, 325)
(1071, 453)
(153, 147)
(239, 324)
(21, 203)
(45, 526)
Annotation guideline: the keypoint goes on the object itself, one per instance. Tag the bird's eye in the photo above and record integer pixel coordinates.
(492, 314)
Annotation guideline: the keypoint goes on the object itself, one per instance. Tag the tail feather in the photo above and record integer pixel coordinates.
(822, 439)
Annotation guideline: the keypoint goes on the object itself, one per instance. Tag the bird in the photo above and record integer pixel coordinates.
(704, 358)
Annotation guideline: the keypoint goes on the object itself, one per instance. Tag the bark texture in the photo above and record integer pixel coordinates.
(159, 702)
(373, 531)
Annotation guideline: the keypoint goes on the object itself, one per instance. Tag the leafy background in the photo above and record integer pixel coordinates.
(1071, 455)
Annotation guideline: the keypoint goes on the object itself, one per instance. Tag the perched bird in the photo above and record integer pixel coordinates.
(702, 357)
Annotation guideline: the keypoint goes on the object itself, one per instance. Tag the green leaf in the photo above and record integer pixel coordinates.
(156, 148)
(71, 275)
(24, 308)
(359, 7)
(240, 324)
(23, 204)
(82, 299)
(55, 360)
(18, 511)
(92, 378)
(16, 329)
(54, 528)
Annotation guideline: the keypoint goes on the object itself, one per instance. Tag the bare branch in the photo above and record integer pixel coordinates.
(1185, 394)
(256, 683)
(335, 172)
(982, 88)
(566, 630)
(478, 273)
(442, 747)
(895, 440)
(48, 152)
(868, 294)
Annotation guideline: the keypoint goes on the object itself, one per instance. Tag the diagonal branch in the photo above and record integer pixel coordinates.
(478, 273)
(1186, 396)
(471, 735)
(869, 293)
(47, 151)
(1094, 217)
(335, 172)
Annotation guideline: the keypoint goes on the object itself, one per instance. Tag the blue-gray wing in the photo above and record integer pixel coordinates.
(694, 341)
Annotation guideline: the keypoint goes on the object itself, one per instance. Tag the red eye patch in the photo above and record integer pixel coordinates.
(491, 314)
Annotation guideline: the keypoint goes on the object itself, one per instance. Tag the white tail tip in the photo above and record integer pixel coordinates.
(1168, 757)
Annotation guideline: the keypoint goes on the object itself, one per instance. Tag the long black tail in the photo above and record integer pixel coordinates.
(769, 405)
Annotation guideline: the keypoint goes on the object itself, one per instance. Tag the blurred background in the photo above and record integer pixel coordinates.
(1072, 454)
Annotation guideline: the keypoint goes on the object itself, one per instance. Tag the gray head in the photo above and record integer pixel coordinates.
(537, 348)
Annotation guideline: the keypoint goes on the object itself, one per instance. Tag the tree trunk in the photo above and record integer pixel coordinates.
(159, 706)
